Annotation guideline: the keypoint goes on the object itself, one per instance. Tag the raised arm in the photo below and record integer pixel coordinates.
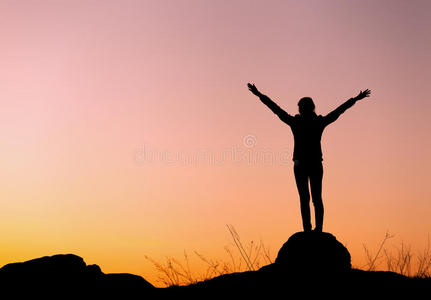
(284, 116)
(333, 115)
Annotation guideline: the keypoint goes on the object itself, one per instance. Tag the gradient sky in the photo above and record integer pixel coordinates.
(128, 130)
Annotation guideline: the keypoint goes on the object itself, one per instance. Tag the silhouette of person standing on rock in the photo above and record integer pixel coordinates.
(307, 128)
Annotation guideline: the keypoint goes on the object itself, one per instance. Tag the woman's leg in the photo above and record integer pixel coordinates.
(301, 178)
(316, 176)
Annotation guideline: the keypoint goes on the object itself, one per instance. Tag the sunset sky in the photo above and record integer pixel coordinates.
(127, 128)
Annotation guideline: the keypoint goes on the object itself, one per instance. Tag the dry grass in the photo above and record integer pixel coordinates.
(400, 259)
(248, 257)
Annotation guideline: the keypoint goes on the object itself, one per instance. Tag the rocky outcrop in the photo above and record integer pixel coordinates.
(67, 273)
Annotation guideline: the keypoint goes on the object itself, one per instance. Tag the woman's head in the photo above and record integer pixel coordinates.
(306, 106)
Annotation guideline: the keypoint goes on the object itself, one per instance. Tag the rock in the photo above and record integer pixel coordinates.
(313, 253)
(56, 267)
(93, 270)
(67, 272)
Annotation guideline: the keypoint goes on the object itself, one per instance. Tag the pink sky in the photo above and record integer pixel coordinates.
(86, 85)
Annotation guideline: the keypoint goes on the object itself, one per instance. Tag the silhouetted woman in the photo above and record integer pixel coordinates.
(307, 128)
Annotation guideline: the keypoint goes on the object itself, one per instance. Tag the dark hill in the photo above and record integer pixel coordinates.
(307, 264)
(313, 264)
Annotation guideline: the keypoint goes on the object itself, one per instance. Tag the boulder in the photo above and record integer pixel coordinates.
(313, 253)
